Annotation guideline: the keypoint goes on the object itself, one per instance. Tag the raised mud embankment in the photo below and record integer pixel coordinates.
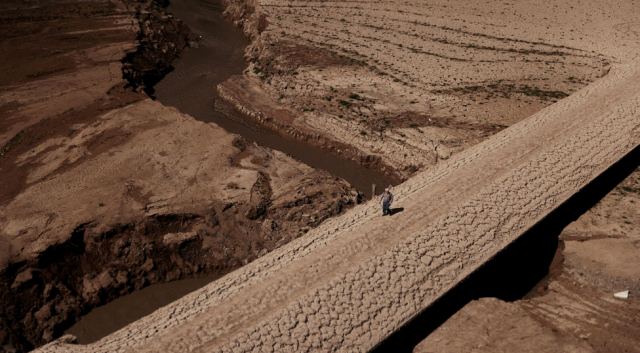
(352, 282)
(255, 107)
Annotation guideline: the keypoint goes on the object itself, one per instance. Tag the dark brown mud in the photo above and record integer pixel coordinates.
(216, 55)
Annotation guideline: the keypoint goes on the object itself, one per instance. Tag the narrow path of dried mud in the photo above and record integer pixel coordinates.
(218, 55)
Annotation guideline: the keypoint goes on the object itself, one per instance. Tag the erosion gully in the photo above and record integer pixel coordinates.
(219, 54)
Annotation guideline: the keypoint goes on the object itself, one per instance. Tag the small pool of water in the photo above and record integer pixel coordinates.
(118, 313)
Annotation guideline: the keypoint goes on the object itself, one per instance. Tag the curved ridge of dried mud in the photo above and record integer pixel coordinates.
(350, 283)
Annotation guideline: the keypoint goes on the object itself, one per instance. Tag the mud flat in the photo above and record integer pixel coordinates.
(105, 191)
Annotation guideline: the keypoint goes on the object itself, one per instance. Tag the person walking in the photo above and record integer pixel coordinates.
(386, 199)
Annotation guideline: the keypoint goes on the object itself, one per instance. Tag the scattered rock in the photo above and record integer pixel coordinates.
(176, 239)
(622, 295)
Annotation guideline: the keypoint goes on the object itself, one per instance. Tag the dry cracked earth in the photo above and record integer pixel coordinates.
(497, 116)
(408, 83)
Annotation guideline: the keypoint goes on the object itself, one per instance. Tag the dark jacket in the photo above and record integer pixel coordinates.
(386, 198)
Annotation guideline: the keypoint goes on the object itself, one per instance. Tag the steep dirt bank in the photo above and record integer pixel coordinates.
(241, 96)
(161, 40)
(144, 195)
(573, 310)
(104, 191)
(159, 201)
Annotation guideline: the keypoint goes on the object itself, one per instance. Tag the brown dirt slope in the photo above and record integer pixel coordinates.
(141, 195)
(59, 56)
(351, 282)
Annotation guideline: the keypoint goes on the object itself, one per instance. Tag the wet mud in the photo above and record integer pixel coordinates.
(124, 310)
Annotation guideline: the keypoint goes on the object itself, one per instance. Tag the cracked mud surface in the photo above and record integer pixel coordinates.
(348, 284)
(574, 309)
(351, 282)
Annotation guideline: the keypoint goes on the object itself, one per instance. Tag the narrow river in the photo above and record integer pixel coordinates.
(191, 89)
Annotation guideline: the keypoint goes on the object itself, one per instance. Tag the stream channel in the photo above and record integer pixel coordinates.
(191, 88)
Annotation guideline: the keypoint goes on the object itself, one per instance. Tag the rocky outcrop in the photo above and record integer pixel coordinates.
(161, 40)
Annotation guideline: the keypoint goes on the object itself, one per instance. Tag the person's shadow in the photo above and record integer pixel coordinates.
(393, 211)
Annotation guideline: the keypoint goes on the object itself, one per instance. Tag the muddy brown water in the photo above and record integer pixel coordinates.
(118, 313)
(191, 88)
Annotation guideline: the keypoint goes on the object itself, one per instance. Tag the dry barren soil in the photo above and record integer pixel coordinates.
(105, 191)
(403, 84)
(350, 283)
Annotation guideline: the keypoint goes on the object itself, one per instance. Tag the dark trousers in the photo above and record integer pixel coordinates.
(386, 208)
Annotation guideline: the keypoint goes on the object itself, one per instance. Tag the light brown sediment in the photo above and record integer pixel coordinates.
(105, 191)
(409, 83)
